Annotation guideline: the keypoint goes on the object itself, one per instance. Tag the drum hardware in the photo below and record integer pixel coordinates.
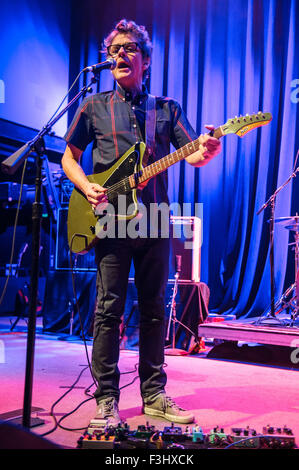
(290, 298)
(291, 223)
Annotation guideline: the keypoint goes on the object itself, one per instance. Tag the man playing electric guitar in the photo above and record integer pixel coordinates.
(114, 121)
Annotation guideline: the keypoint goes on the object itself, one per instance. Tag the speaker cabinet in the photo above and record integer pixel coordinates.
(186, 238)
(61, 256)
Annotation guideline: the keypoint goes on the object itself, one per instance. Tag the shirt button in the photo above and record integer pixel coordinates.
(134, 125)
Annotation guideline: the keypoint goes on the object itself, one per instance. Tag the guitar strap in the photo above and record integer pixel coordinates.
(150, 128)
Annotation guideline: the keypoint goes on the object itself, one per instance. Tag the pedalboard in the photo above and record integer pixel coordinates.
(175, 437)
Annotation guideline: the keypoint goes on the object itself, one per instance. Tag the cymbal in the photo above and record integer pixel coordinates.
(285, 220)
(294, 227)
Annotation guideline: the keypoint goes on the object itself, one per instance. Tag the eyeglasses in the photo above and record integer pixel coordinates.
(129, 48)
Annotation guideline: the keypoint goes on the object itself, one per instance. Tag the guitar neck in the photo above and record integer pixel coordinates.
(161, 165)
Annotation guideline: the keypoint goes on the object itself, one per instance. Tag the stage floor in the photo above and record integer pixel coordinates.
(225, 393)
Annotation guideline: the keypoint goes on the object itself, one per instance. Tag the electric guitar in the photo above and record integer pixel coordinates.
(126, 173)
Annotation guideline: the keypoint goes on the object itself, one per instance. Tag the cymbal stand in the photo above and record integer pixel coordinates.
(272, 316)
(272, 201)
(295, 313)
(283, 303)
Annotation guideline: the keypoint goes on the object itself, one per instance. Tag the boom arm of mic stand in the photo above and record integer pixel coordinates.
(12, 163)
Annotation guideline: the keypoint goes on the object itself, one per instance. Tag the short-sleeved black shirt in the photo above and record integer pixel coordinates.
(114, 122)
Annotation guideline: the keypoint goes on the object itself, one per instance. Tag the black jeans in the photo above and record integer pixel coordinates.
(151, 262)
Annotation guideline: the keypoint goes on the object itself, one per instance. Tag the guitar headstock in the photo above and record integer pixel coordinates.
(241, 125)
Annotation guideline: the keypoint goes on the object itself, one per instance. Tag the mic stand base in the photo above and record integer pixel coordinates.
(269, 318)
(34, 422)
(281, 305)
(175, 352)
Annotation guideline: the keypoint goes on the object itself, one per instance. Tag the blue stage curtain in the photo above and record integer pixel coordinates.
(219, 59)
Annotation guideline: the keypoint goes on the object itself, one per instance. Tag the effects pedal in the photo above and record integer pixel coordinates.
(174, 437)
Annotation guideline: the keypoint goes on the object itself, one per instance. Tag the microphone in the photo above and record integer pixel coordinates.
(107, 64)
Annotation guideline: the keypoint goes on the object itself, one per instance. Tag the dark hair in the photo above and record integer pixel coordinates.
(126, 27)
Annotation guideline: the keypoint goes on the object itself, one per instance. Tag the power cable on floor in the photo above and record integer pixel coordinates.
(59, 399)
(91, 397)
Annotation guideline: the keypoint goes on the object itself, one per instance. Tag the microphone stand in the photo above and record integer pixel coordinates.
(9, 166)
(271, 201)
(172, 316)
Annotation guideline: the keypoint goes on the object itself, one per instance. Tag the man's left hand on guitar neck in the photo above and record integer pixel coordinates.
(209, 147)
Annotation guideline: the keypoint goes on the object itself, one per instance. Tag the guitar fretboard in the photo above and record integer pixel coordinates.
(165, 162)
(161, 165)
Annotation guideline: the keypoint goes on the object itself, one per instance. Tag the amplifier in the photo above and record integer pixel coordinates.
(186, 240)
(62, 252)
(185, 234)
(10, 192)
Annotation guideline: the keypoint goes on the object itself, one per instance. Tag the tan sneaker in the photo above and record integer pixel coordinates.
(165, 407)
(107, 413)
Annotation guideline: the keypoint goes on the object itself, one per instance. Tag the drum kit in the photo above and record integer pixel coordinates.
(290, 298)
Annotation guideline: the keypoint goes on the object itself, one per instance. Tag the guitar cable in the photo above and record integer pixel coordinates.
(78, 310)
(57, 423)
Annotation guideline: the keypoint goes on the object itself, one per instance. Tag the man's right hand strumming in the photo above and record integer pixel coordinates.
(96, 195)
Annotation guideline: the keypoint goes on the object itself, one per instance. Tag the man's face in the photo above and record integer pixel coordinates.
(130, 66)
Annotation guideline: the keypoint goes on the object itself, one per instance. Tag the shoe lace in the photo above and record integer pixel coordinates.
(172, 404)
(108, 407)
